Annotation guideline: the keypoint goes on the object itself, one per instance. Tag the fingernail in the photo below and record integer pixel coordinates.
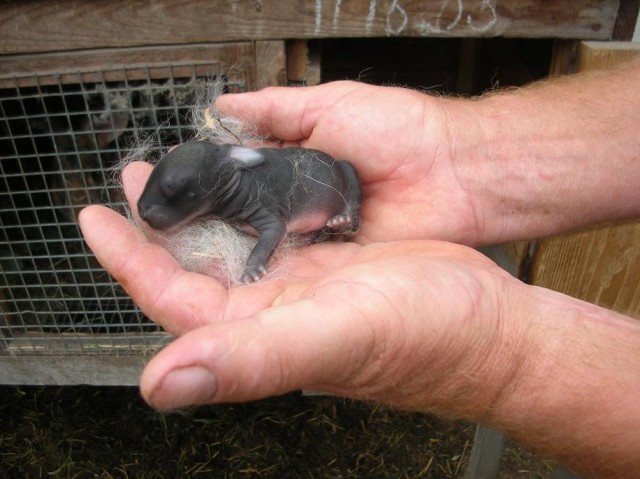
(185, 387)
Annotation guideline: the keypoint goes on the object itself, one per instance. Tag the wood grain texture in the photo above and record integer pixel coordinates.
(564, 59)
(303, 63)
(602, 265)
(71, 370)
(270, 64)
(626, 20)
(235, 59)
(41, 25)
(599, 55)
(71, 359)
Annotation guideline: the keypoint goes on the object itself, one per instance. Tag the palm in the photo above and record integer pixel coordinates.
(357, 314)
(331, 309)
(163, 289)
(395, 138)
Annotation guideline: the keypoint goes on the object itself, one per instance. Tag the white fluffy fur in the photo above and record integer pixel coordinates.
(207, 246)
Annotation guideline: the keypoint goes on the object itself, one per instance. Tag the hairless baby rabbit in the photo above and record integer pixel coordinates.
(267, 192)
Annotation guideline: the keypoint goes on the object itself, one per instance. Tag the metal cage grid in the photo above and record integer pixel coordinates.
(60, 138)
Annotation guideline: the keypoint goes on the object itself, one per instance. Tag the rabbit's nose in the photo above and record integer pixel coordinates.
(143, 210)
(155, 216)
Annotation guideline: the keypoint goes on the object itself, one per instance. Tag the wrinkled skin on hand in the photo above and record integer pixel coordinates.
(424, 325)
(394, 322)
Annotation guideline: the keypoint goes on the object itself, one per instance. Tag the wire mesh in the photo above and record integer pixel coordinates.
(60, 136)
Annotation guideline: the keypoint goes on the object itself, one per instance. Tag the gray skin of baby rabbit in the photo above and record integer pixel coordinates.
(267, 192)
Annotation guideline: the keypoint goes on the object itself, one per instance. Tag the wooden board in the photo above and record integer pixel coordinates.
(236, 60)
(484, 462)
(602, 265)
(39, 26)
(626, 21)
(52, 370)
(599, 55)
(303, 63)
(71, 359)
(270, 61)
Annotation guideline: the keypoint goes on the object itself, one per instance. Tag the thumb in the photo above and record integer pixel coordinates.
(289, 347)
(285, 113)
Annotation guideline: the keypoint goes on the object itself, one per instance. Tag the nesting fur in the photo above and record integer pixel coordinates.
(208, 245)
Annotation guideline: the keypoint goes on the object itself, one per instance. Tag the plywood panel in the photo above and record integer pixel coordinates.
(602, 265)
(39, 26)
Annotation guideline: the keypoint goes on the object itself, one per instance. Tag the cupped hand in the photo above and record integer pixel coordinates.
(399, 141)
(408, 323)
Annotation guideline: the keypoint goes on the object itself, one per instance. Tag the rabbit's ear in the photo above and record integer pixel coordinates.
(244, 157)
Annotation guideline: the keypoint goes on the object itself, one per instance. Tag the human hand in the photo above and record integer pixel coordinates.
(418, 324)
(510, 166)
(407, 323)
(399, 142)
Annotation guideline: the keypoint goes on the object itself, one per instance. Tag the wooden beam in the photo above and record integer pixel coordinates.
(564, 58)
(50, 370)
(601, 265)
(599, 55)
(469, 66)
(41, 25)
(303, 63)
(235, 59)
(271, 69)
(484, 462)
(71, 359)
(626, 20)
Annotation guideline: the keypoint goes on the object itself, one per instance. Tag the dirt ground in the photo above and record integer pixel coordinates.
(109, 432)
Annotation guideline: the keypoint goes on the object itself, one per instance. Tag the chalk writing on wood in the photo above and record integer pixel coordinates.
(371, 15)
(396, 27)
(487, 6)
(80, 25)
(452, 14)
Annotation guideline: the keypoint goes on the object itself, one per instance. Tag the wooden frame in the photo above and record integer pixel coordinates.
(253, 64)
(64, 359)
(83, 24)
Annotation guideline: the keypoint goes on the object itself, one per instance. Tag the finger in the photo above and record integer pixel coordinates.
(173, 298)
(134, 178)
(283, 349)
(239, 302)
(286, 113)
(170, 296)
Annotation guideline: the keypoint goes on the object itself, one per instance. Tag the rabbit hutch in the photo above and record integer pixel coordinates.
(81, 80)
